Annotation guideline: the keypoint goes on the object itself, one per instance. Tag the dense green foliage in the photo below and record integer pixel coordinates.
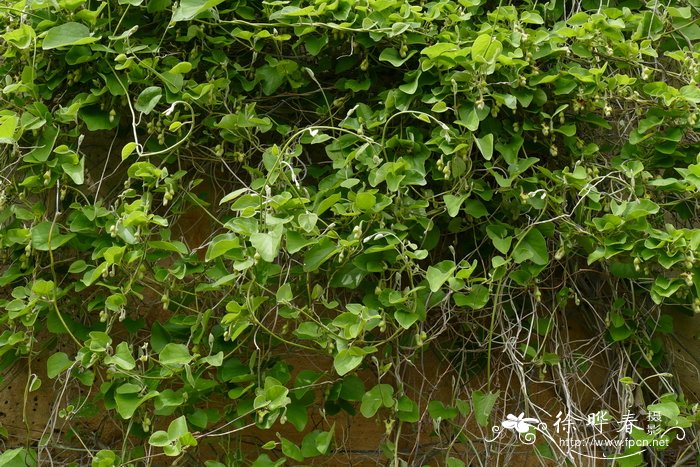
(381, 178)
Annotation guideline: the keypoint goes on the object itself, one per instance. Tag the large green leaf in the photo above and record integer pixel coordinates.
(453, 203)
(483, 405)
(270, 77)
(18, 457)
(21, 37)
(267, 244)
(381, 395)
(97, 119)
(7, 129)
(439, 411)
(394, 57)
(127, 399)
(319, 254)
(47, 236)
(57, 364)
(485, 145)
(175, 354)
(76, 172)
(408, 410)
(438, 274)
(486, 49)
(222, 244)
(122, 357)
(188, 9)
(476, 299)
(148, 99)
(532, 247)
(499, 236)
(348, 359)
(68, 34)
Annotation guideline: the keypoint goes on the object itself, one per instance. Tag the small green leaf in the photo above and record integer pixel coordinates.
(222, 244)
(99, 341)
(97, 119)
(128, 401)
(174, 246)
(405, 319)
(233, 195)
(475, 208)
(438, 49)
(95, 274)
(469, 118)
(620, 333)
(323, 441)
(352, 389)
(307, 221)
(412, 86)
(568, 129)
(264, 460)
(77, 267)
(75, 171)
(531, 17)
(314, 45)
(18, 457)
(667, 409)
(270, 77)
(104, 458)
(128, 149)
(500, 238)
(44, 146)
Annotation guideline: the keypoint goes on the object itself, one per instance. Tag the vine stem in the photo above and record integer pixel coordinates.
(54, 299)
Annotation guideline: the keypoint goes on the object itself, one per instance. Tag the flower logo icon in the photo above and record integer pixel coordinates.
(519, 423)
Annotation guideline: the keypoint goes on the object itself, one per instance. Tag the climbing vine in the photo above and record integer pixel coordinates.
(194, 192)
